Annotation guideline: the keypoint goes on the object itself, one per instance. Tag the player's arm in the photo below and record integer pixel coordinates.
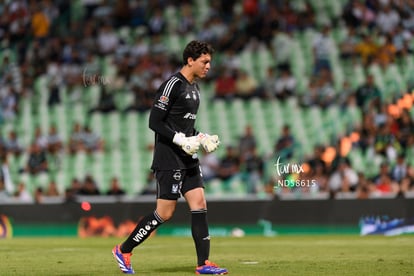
(159, 111)
(164, 98)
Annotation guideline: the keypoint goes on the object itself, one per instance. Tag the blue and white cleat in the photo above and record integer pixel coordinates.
(210, 268)
(123, 260)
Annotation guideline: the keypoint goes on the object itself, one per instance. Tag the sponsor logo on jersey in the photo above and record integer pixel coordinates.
(160, 106)
(190, 116)
(140, 235)
(177, 175)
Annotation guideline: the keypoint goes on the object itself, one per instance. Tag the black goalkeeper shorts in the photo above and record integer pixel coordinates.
(171, 184)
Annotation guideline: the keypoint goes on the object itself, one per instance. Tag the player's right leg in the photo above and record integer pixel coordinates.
(166, 203)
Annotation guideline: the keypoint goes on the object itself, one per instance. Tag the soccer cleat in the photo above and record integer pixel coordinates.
(123, 259)
(210, 268)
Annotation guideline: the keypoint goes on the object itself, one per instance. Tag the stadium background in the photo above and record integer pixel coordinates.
(61, 59)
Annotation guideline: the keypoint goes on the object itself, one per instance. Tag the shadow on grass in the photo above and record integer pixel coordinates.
(175, 269)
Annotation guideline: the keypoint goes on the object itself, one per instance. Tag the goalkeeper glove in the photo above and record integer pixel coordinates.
(209, 142)
(188, 144)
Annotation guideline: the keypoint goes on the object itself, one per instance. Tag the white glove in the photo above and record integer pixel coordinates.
(189, 144)
(209, 142)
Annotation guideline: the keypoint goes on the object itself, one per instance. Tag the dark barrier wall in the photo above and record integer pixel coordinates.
(223, 212)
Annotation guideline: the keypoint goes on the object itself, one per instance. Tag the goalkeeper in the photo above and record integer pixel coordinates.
(175, 163)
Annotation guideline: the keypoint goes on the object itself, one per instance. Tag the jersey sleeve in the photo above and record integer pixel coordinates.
(163, 101)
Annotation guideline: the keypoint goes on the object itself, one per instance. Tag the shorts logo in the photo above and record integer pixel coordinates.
(177, 175)
(164, 99)
(174, 188)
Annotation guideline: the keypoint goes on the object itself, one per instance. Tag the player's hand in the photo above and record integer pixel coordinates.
(188, 144)
(209, 142)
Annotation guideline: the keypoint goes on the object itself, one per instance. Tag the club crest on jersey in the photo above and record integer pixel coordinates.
(174, 188)
(194, 96)
(164, 99)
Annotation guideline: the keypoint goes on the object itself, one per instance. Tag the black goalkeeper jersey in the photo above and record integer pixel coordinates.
(174, 110)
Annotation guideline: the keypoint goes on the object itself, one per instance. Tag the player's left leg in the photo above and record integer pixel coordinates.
(193, 192)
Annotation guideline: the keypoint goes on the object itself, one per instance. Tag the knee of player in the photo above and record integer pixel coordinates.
(165, 215)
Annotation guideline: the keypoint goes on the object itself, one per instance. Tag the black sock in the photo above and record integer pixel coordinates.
(199, 230)
(141, 232)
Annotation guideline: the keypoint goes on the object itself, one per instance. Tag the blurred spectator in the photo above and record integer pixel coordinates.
(40, 23)
(187, 22)
(6, 181)
(321, 92)
(385, 143)
(37, 161)
(91, 141)
(73, 190)
(285, 144)
(285, 85)
(363, 189)
(343, 179)
(52, 189)
(107, 40)
(156, 23)
(39, 138)
(400, 170)
(142, 100)
(383, 183)
(4, 195)
(246, 86)
(368, 94)
(346, 96)
(9, 104)
(387, 19)
(386, 52)
(407, 183)
(367, 49)
(106, 102)
(404, 128)
(347, 46)
(247, 141)
(76, 139)
(115, 187)
(322, 47)
(319, 176)
(225, 84)
(54, 95)
(38, 195)
(253, 170)
(22, 194)
(12, 144)
(89, 187)
(54, 141)
(282, 45)
(229, 165)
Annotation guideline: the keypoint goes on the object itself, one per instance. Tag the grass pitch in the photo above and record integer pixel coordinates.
(280, 255)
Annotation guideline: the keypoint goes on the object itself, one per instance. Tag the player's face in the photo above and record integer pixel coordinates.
(201, 65)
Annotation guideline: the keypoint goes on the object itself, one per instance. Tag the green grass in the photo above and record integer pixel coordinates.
(280, 255)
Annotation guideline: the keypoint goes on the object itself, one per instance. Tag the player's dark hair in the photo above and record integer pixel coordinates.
(195, 49)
